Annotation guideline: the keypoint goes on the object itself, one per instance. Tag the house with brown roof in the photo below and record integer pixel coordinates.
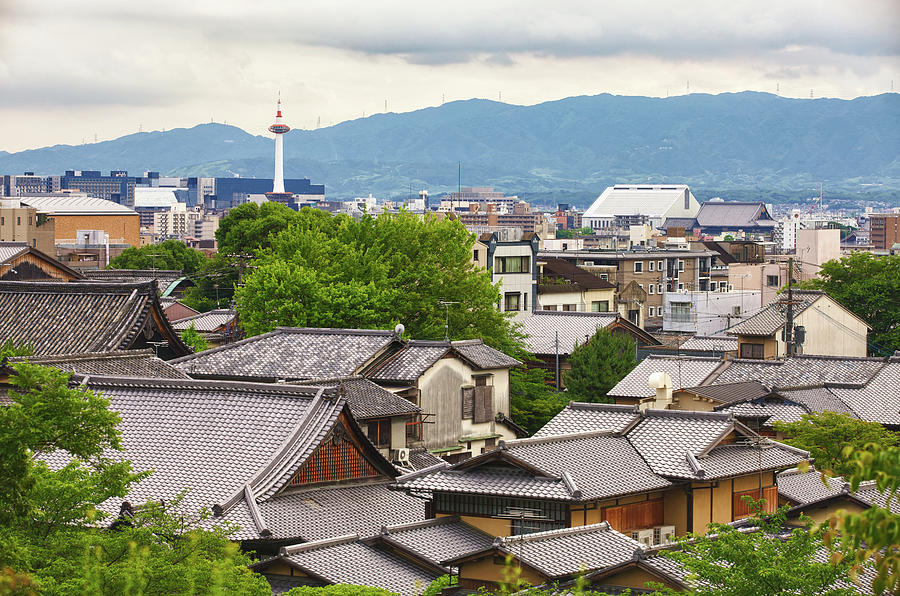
(65, 318)
(20, 262)
(562, 286)
(822, 327)
(217, 327)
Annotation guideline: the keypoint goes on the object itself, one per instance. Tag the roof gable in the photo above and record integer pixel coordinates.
(20, 262)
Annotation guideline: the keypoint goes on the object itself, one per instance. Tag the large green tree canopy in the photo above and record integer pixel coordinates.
(334, 271)
(869, 286)
(598, 364)
(170, 254)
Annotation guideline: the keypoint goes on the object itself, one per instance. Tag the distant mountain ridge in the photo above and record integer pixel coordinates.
(742, 140)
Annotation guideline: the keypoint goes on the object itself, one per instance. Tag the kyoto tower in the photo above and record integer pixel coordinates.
(279, 128)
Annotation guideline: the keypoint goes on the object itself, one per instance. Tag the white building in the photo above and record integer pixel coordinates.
(708, 313)
(514, 266)
(623, 205)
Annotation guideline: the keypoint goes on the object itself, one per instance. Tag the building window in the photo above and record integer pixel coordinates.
(18, 221)
(681, 264)
(475, 255)
(638, 266)
(736, 311)
(755, 351)
(380, 432)
(650, 265)
(652, 311)
(511, 301)
(771, 280)
(652, 289)
(680, 286)
(512, 265)
(569, 307)
(681, 312)
(414, 429)
(659, 265)
(600, 306)
(659, 288)
(604, 276)
(723, 286)
(549, 307)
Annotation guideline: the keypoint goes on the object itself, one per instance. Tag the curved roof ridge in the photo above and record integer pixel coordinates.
(550, 534)
(557, 438)
(319, 544)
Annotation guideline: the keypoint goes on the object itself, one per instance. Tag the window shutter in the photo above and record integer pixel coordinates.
(468, 402)
(484, 404)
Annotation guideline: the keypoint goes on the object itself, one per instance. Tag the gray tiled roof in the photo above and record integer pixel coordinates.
(878, 400)
(807, 487)
(737, 215)
(65, 318)
(162, 277)
(711, 344)
(771, 318)
(563, 553)
(508, 481)
(731, 392)
(121, 363)
(422, 458)
(290, 353)
(346, 560)
(574, 329)
(732, 460)
(817, 399)
(329, 511)
(799, 371)
(438, 540)
(207, 322)
(417, 356)
(579, 417)
(767, 412)
(8, 250)
(483, 356)
(366, 399)
(686, 371)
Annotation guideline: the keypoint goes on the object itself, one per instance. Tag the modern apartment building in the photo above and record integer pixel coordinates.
(514, 266)
(19, 223)
(884, 230)
(118, 187)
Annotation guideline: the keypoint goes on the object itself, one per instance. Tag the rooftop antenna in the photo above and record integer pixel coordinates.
(385, 105)
(810, 93)
(777, 88)
(446, 304)
(318, 122)
(443, 98)
(689, 87)
(500, 93)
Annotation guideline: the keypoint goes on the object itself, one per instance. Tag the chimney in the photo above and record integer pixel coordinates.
(662, 382)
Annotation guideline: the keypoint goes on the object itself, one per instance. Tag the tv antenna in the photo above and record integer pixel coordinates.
(446, 304)
(528, 519)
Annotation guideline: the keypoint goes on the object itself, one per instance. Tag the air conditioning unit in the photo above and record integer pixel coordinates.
(666, 534)
(401, 456)
(645, 537)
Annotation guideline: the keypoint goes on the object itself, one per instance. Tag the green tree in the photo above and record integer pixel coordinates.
(334, 271)
(598, 364)
(214, 283)
(564, 234)
(170, 254)
(869, 286)
(532, 401)
(8, 349)
(874, 534)
(193, 339)
(826, 435)
(51, 525)
(734, 562)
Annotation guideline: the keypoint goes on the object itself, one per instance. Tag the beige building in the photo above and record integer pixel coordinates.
(815, 248)
(74, 213)
(20, 223)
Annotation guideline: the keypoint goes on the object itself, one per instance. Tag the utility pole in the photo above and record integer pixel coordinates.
(789, 320)
(557, 361)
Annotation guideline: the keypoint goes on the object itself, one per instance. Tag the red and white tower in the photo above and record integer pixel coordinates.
(279, 128)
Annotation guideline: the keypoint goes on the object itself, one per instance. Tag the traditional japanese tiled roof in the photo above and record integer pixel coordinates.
(348, 560)
(878, 400)
(366, 399)
(734, 215)
(766, 411)
(817, 399)
(65, 318)
(11, 251)
(322, 512)
(564, 270)
(731, 392)
(574, 328)
(573, 467)
(806, 488)
(207, 322)
(771, 318)
(798, 371)
(422, 458)
(122, 363)
(685, 371)
(417, 356)
(709, 343)
(579, 417)
(163, 278)
(237, 445)
(291, 353)
(437, 540)
(559, 554)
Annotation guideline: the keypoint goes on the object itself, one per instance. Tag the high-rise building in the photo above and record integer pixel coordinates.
(118, 187)
(884, 230)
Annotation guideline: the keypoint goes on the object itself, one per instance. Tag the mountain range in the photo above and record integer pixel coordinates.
(745, 140)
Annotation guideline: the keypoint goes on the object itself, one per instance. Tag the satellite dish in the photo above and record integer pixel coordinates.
(399, 329)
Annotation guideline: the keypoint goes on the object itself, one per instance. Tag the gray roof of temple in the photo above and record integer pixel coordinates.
(734, 215)
(438, 540)
(579, 417)
(65, 318)
(366, 399)
(207, 322)
(326, 511)
(686, 371)
(808, 487)
(121, 363)
(9, 251)
(574, 328)
(417, 356)
(568, 467)
(710, 343)
(163, 278)
(566, 552)
(291, 353)
(347, 560)
(799, 371)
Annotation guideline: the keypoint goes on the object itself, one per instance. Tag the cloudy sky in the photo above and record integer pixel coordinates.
(70, 70)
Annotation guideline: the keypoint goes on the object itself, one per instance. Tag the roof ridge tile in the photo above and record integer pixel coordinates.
(318, 544)
(550, 534)
(557, 438)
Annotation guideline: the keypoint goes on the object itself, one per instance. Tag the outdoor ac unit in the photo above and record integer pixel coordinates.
(645, 537)
(401, 456)
(666, 534)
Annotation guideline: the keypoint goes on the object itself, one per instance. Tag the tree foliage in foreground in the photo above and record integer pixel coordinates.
(192, 338)
(169, 254)
(827, 435)
(333, 271)
(869, 286)
(873, 534)
(598, 364)
(55, 538)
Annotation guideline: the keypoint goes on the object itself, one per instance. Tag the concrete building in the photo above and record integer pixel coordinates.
(708, 313)
(566, 287)
(514, 266)
(73, 214)
(622, 205)
(20, 223)
(815, 248)
(27, 184)
(884, 230)
(118, 187)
